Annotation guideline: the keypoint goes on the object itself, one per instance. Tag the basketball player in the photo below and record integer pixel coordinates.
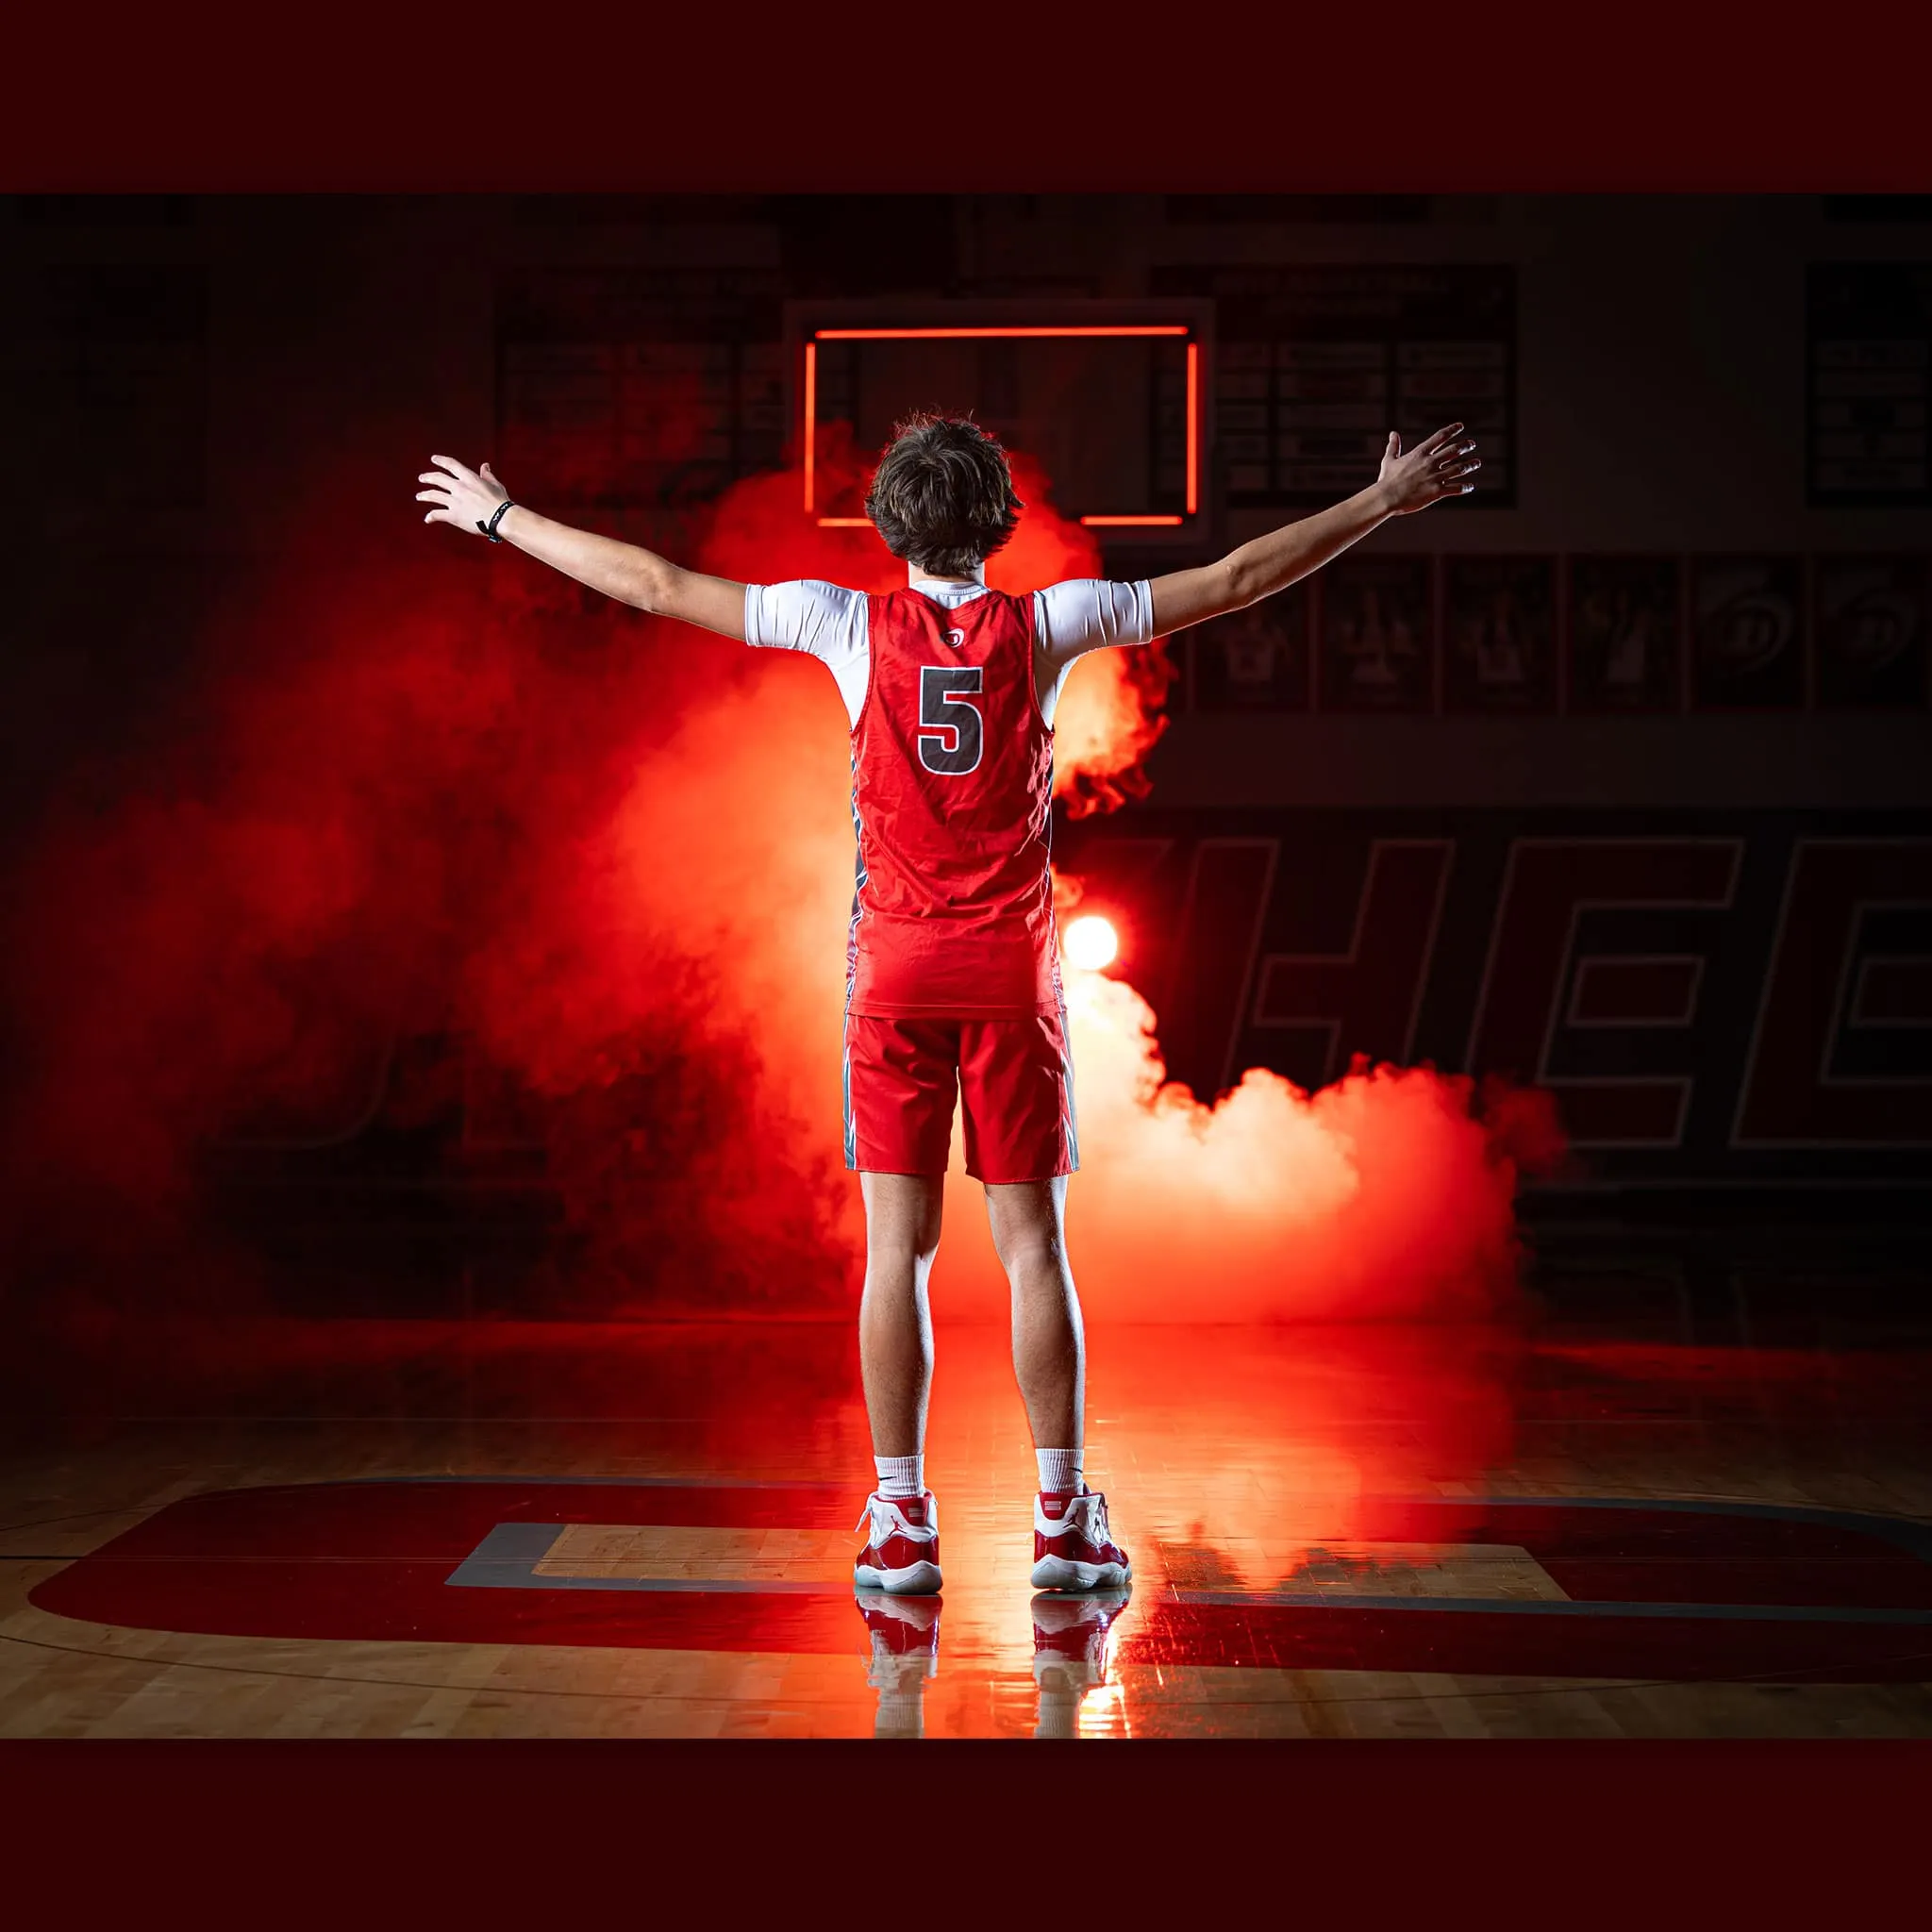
(953, 963)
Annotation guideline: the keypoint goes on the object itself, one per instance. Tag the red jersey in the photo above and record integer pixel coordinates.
(952, 779)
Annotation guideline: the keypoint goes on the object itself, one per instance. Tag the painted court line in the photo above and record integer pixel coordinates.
(507, 1558)
(1517, 1606)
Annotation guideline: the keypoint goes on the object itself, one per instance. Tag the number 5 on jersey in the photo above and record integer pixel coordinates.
(950, 733)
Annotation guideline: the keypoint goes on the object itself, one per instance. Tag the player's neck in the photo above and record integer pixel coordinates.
(915, 577)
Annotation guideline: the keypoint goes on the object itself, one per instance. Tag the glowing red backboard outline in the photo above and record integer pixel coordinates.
(1010, 331)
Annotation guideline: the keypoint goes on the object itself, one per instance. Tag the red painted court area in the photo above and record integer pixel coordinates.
(1641, 1587)
(378, 1561)
(523, 1528)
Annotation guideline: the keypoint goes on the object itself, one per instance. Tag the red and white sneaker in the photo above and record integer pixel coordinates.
(1070, 1546)
(902, 1546)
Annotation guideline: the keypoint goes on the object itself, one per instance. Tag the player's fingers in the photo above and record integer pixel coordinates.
(455, 468)
(434, 497)
(1430, 445)
(441, 477)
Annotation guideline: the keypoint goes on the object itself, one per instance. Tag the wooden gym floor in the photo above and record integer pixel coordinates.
(1599, 1524)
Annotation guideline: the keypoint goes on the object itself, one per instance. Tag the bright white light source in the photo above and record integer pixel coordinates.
(1091, 942)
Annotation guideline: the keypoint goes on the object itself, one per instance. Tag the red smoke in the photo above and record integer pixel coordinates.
(614, 857)
(1377, 1195)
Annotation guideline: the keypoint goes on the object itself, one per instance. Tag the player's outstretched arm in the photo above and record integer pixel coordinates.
(1440, 466)
(468, 499)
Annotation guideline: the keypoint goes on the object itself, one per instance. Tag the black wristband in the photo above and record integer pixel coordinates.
(489, 529)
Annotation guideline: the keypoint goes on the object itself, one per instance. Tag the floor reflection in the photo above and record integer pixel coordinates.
(1071, 1650)
(1071, 1657)
(513, 1529)
(905, 1632)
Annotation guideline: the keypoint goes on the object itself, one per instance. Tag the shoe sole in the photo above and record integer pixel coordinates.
(1064, 1574)
(916, 1579)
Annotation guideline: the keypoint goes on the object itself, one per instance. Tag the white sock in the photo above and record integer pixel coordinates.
(1059, 1472)
(901, 1477)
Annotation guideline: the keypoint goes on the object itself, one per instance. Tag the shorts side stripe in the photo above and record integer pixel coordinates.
(1067, 1118)
(845, 1084)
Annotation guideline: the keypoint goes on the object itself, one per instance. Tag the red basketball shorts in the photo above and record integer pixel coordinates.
(1014, 1078)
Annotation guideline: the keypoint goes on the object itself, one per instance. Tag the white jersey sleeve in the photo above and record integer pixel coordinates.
(822, 620)
(1084, 614)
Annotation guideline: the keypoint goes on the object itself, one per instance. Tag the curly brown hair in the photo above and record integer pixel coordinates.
(942, 497)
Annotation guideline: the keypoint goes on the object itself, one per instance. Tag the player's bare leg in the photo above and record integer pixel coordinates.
(902, 1235)
(1028, 1220)
(1072, 1547)
(901, 1553)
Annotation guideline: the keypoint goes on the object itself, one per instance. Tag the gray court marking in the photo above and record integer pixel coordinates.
(1518, 1606)
(571, 1482)
(506, 1558)
(1901, 1533)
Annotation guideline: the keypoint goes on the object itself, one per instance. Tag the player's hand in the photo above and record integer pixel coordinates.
(1442, 465)
(463, 497)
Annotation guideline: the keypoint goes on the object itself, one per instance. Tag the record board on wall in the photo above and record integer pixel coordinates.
(1315, 364)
